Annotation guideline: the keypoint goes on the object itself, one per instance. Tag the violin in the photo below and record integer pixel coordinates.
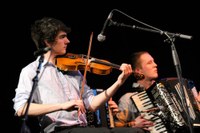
(74, 62)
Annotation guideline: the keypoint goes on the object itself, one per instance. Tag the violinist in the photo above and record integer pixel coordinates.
(57, 99)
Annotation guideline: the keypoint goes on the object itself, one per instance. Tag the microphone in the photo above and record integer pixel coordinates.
(101, 37)
(41, 51)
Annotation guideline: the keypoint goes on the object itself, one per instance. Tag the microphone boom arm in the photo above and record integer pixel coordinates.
(152, 30)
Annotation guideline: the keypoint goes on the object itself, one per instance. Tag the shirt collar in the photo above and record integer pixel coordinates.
(45, 62)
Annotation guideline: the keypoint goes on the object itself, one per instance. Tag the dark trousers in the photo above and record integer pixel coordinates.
(127, 130)
(100, 130)
(83, 130)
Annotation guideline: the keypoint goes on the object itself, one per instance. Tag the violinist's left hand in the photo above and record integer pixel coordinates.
(126, 72)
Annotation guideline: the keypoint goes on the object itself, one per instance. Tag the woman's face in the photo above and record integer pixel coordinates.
(148, 66)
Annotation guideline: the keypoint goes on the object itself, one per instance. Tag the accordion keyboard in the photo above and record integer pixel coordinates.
(146, 107)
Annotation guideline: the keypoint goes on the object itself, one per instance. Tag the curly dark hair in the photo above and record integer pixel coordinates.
(47, 28)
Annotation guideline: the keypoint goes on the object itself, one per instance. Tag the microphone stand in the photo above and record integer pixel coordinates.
(180, 78)
(171, 39)
(25, 128)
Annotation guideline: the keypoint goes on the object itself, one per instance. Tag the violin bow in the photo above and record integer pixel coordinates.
(86, 66)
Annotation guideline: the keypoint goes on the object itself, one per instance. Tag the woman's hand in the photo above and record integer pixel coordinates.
(198, 97)
(141, 122)
(113, 106)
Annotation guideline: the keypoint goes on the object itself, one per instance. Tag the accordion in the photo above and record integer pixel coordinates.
(158, 106)
(189, 91)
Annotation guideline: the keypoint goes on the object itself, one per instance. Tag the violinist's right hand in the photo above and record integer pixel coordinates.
(126, 72)
(74, 105)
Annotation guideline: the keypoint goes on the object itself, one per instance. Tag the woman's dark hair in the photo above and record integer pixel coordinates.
(47, 29)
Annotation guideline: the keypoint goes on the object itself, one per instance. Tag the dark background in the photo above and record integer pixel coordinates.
(85, 18)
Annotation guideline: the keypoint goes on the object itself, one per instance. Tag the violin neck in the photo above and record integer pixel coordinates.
(105, 63)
